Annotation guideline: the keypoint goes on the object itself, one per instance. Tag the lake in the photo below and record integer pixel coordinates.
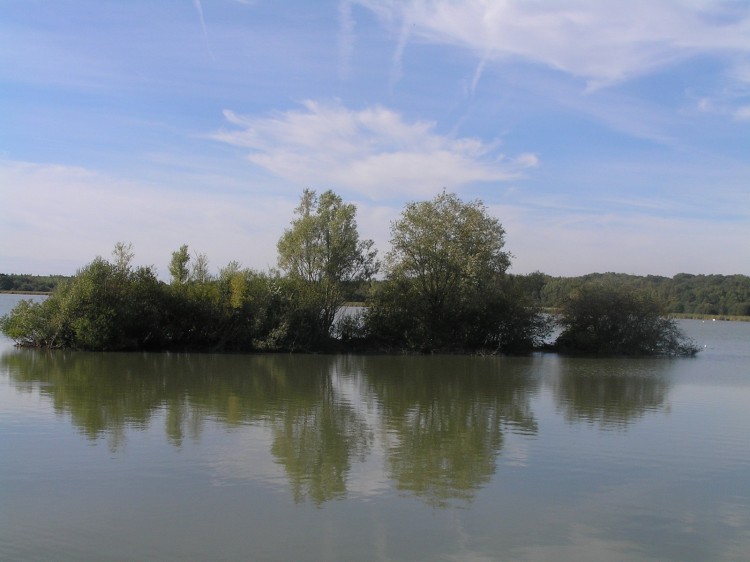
(138, 456)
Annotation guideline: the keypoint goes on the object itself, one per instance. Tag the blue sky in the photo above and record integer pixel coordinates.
(604, 135)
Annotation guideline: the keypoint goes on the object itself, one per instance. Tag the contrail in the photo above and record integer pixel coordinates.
(346, 39)
(199, 9)
(478, 75)
(403, 39)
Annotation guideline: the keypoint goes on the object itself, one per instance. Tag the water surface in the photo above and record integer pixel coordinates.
(306, 457)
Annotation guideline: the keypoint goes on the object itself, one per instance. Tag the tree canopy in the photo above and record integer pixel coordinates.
(446, 245)
(22, 283)
(322, 254)
(445, 281)
(682, 294)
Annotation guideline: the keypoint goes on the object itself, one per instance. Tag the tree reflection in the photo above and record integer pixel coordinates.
(443, 419)
(315, 433)
(101, 396)
(611, 393)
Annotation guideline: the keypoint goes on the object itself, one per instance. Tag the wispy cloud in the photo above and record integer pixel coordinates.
(731, 97)
(603, 42)
(346, 39)
(398, 55)
(199, 9)
(79, 213)
(372, 151)
(477, 75)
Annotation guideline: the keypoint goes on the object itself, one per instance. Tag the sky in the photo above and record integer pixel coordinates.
(603, 135)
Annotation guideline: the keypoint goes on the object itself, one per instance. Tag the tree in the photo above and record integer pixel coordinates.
(105, 306)
(446, 285)
(603, 318)
(200, 273)
(178, 266)
(446, 246)
(322, 254)
(123, 255)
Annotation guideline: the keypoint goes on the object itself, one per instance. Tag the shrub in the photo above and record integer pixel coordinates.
(605, 319)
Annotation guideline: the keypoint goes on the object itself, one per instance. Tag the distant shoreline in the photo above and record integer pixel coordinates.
(30, 293)
(687, 316)
(723, 317)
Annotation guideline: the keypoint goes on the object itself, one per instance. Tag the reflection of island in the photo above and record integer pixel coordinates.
(445, 419)
(610, 392)
(315, 433)
(102, 397)
(441, 419)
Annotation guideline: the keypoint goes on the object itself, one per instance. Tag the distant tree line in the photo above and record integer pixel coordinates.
(445, 288)
(683, 293)
(29, 283)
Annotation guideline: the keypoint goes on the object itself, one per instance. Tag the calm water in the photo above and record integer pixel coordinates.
(230, 457)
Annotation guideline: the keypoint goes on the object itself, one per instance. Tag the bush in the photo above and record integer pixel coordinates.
(500, 319)
(606, 319)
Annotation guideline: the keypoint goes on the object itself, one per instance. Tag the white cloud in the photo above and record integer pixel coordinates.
(601, 41)
(574, 242)
(58, 218)
(743, 113)
(61, 217)
(372, 151)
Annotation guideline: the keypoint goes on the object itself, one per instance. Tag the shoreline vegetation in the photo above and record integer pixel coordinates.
(551, 311)
(715, 295)
(712, 317)
(29, 293)
(443, 288)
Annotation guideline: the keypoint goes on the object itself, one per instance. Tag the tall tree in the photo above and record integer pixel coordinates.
(200, 273)
(322, 253)
(446, 284)
(123, 255)
(178, 265)
(445, 245)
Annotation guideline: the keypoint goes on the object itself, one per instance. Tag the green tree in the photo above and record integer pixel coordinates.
(33, 324)
(322, 254)
(105, 306)
(446, 285)
(178, 266)
(604, 318)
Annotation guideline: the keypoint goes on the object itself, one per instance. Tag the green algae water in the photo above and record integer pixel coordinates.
(133, 456)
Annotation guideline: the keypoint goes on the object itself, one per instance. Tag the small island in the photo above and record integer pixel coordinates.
(444, 287)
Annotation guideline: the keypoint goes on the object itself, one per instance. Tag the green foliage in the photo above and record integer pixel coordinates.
(446, 245)
(446, 289)
(105, 306)
(111, 306)
(446, 286)
(683, 293)
(600, 318)
(31, 324)
(322, 256)
(29, 283)
(178, 265)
